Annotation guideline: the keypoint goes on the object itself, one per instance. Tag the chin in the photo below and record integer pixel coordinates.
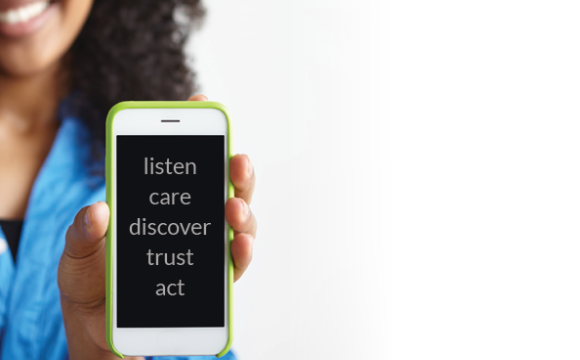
(27, 65)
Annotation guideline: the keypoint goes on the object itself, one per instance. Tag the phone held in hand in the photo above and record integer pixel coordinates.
(169, 268)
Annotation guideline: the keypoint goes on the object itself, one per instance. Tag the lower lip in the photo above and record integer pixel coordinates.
(28, 27)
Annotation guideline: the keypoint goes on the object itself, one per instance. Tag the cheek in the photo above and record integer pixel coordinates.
(46, 46)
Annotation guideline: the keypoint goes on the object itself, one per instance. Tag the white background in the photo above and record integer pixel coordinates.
(419, 182)
(305, 82)
(485, 179)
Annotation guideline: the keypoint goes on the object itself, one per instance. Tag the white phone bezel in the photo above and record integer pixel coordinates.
(169, 341)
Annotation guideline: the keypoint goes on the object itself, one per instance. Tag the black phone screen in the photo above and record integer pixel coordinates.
(170, 231)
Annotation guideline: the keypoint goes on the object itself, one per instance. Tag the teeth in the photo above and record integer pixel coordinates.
(23, 13)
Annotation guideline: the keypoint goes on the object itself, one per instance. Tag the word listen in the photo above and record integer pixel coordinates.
(165, 167)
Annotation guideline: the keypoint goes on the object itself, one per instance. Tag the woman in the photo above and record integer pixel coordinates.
(63, 64)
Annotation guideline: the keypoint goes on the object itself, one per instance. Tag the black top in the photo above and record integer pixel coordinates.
(12, 230)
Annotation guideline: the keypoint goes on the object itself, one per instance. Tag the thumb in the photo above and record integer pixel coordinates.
(84, 236)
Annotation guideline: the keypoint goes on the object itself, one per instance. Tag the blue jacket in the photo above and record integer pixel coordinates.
(31, 325)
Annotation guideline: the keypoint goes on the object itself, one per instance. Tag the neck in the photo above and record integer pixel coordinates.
(29, 102)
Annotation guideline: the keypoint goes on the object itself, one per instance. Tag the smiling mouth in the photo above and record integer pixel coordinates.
(24, 13)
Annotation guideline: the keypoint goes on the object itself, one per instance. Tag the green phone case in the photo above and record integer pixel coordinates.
(109, 173)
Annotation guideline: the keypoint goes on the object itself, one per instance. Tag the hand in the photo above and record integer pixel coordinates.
(81, 272)
(238, 213)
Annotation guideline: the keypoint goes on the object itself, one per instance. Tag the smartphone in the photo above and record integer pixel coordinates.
(169, 269)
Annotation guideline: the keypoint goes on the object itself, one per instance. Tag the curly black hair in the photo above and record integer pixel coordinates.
(130, 50)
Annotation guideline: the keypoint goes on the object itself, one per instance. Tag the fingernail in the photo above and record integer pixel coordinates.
(88, 221)
(249, 167)
(246, 210)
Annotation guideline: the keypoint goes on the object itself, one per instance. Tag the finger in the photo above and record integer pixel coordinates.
(84, 236)
(243, 177)
(240, 217)
(242, 250)
(199, 97)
